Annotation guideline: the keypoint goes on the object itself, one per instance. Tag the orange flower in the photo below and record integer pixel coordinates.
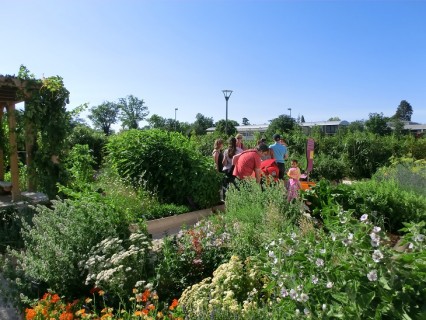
(146, 295)
(55, 298)
(80, 312)
(174, 304)
(30, 314)
(151, 307)
(45, 296)
(66, 316)
(101, 292)
(138, 314)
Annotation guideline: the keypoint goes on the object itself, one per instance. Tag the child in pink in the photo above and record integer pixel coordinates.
(294, 183)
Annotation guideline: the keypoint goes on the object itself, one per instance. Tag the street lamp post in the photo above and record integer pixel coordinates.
(290, 111)
(176, 109)
(226, 94)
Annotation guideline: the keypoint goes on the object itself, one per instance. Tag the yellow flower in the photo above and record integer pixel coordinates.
(101, 292)
(88, 300)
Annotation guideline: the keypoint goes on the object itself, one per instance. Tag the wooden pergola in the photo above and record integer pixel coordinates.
(12, 91)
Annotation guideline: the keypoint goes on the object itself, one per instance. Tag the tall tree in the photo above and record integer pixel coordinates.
(302, 119)
(230, 127)
(156, 122)
(377, 124)
(404, 111)
(132, 111)
(104, 116)
(201, 124)
(283, 124)
(246, 122)
(334, 119)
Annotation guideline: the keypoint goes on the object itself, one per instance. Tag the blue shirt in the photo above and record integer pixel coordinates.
(279, 152)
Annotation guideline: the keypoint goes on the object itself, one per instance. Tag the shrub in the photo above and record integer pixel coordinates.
(165, 163)
(327, 167)
(57, 241)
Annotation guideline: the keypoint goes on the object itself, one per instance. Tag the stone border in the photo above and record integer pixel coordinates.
(162, 227)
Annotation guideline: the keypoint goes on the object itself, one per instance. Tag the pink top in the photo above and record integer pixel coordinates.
(294, 174)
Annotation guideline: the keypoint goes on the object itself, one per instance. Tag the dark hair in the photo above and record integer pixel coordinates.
(232, 148)
(294, 160)
(262, 148)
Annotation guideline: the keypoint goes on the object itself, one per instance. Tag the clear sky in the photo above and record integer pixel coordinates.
(322, 59)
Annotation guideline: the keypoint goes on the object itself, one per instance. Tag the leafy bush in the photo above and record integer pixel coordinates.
(57, 241)
(10, 226)
(167, 164)
(329, 168)
(348, 272)
(159, 210)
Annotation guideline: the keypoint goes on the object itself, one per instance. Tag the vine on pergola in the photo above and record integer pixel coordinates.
(47, 125)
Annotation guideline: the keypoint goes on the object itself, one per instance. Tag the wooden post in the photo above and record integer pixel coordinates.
(1, 147)
(14, 168)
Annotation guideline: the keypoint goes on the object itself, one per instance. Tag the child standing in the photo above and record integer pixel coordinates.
(294, 183)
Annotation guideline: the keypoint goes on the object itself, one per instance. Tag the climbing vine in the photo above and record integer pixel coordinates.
(47, 124)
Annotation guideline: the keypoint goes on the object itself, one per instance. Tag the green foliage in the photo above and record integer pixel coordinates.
(95, 140)
(161, 210)
(104, 116)
(327, 167)
(132, 111)
(167, 164)
(48, 123)
(56, 241)
(231, 129)
(201, 124)
(283, 124)
(377, 124)
(10, 226)
(404, 111)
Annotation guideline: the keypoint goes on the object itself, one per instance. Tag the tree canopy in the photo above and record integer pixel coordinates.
(377, 123)
(404, 111)
(201, 124)
(132, 111)
(104, 116)
(283, 124)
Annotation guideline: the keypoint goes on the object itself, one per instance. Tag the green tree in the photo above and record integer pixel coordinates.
(377, 123)
(334, 119)
(302, 119)
(246, 122)
(283, 124)
(354, 126)
(404, 111)
(201, 124)
(104, 116)
(156, 122)
(230, 127)
(132, 111)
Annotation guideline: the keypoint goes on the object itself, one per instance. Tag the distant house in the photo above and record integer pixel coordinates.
(414, 128)
(247, 131)
(327, 127)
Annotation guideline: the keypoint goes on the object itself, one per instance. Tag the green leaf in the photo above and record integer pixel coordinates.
(384, 283)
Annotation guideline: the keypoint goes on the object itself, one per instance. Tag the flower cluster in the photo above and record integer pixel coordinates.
(51, 306)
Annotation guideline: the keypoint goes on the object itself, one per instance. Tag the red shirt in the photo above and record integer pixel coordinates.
(247, 163)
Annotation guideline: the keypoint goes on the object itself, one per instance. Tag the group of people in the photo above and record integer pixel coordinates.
(238, 163)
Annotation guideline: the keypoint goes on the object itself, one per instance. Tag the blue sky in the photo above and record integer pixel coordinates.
(322, 59)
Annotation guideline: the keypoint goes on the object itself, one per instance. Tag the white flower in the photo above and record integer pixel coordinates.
(297, 312)
(290, 252)
(322, 251)
(350, 236)
(364, 217)
(293, 294)
(324, 307)
(271, 254)
(410, 246)
(329, 285)
(419, 238)
(377, 255)
(376, 229)
(304, 297)
(306, 311)
(284, 292)
(372, 275)
(320, 262)
(314, 279)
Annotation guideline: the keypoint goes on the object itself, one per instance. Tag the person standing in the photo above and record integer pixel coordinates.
(218, 154)
(248, 162)
(240, 143)
(294, 181)
(279, 153)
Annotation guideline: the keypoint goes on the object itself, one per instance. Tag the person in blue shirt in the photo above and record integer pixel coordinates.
(279, 153)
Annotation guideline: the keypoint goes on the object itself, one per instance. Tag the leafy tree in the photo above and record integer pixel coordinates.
(302, 119)
(201, 124)
(404, 111)
(156, 122)
(230, 127)
(283, 124)
(334, 119)
(377, 123)
(354, 126)
(397, 126)
(246, 122)
(132, 111)
(104, 116)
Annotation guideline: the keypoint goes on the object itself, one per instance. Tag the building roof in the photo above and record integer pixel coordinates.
(324, 123)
